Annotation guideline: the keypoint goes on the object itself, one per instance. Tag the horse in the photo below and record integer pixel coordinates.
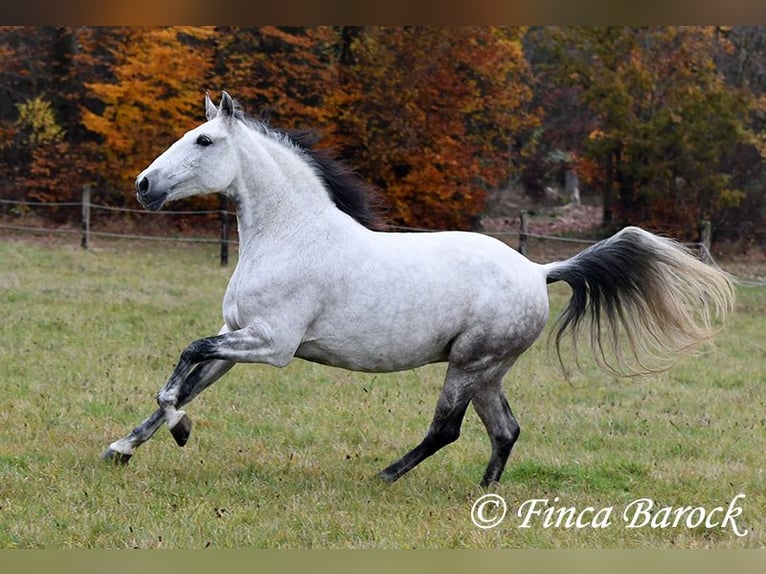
(320, 278)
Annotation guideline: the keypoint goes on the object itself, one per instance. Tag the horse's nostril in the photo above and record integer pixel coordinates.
(143, 185)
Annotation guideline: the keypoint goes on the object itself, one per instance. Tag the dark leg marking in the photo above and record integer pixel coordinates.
(445, 426)
(503, 429)
(201, 377)
(180, 386)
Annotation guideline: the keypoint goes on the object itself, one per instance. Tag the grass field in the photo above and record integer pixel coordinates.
(288, 458)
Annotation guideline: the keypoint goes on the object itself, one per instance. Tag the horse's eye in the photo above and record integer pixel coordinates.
(204, 141)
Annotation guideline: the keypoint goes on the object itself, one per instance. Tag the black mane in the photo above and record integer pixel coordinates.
(350, 193)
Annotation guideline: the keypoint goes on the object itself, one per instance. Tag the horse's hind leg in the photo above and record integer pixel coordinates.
(203, 375)
(445, 427)
(503, 429)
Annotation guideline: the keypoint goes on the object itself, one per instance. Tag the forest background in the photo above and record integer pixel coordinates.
(663, 126)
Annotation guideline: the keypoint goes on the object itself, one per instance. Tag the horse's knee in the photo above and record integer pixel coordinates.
(443, 431)
(502, 444)
(167, 398)
(451, 434)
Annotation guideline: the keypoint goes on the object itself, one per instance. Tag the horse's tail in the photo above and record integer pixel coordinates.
(643, 300)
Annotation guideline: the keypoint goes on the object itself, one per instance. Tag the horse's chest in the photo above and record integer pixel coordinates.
(260, 295)
(235, 313)
(230, 310)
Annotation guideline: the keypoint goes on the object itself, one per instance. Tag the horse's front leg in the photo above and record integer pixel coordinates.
(178, 421)
(186, 383)
(120, 451)
(213, 357)
(250, 345)
(201, 377)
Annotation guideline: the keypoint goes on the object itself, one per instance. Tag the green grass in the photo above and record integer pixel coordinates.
(287, 458)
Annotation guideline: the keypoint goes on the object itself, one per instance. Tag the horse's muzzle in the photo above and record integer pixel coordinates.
(148, 196)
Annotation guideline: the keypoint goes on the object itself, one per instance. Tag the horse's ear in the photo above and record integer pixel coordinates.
(227, 105)
(210, 110)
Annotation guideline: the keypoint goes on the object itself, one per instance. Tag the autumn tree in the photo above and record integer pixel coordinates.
(429, 114)
(741, 58)
(556, 143)
(666, 124)
(61, 167)
(28, 121)
(282, 75)
(665, 120)
(152, 98)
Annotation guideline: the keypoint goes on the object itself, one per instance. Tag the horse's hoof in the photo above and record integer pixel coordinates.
(115, 457)
(387, 476)
(182, 429)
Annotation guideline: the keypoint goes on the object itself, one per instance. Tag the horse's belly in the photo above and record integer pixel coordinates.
(375, 354)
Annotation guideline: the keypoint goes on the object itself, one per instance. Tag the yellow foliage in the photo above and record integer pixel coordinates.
(37, 124)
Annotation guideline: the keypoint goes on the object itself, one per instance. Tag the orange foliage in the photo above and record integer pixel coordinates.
(666, 123)
(428, 114)
(159, 77)
(283, 76)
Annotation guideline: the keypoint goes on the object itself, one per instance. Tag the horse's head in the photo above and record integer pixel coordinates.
(202, 161)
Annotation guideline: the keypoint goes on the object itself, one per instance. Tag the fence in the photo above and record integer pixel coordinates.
(224, 215)
(703, 245)
(87, 207)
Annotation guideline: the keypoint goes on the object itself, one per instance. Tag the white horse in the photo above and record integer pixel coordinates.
(315, 280)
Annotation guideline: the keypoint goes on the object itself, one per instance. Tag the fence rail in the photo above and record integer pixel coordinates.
(224, 215)
(86, 232)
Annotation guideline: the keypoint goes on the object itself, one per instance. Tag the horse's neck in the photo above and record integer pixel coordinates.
(277, 192)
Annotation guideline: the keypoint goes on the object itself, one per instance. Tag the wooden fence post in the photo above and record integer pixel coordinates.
(705, 239)
(85, 241)
(523, 233)
(224, 230)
